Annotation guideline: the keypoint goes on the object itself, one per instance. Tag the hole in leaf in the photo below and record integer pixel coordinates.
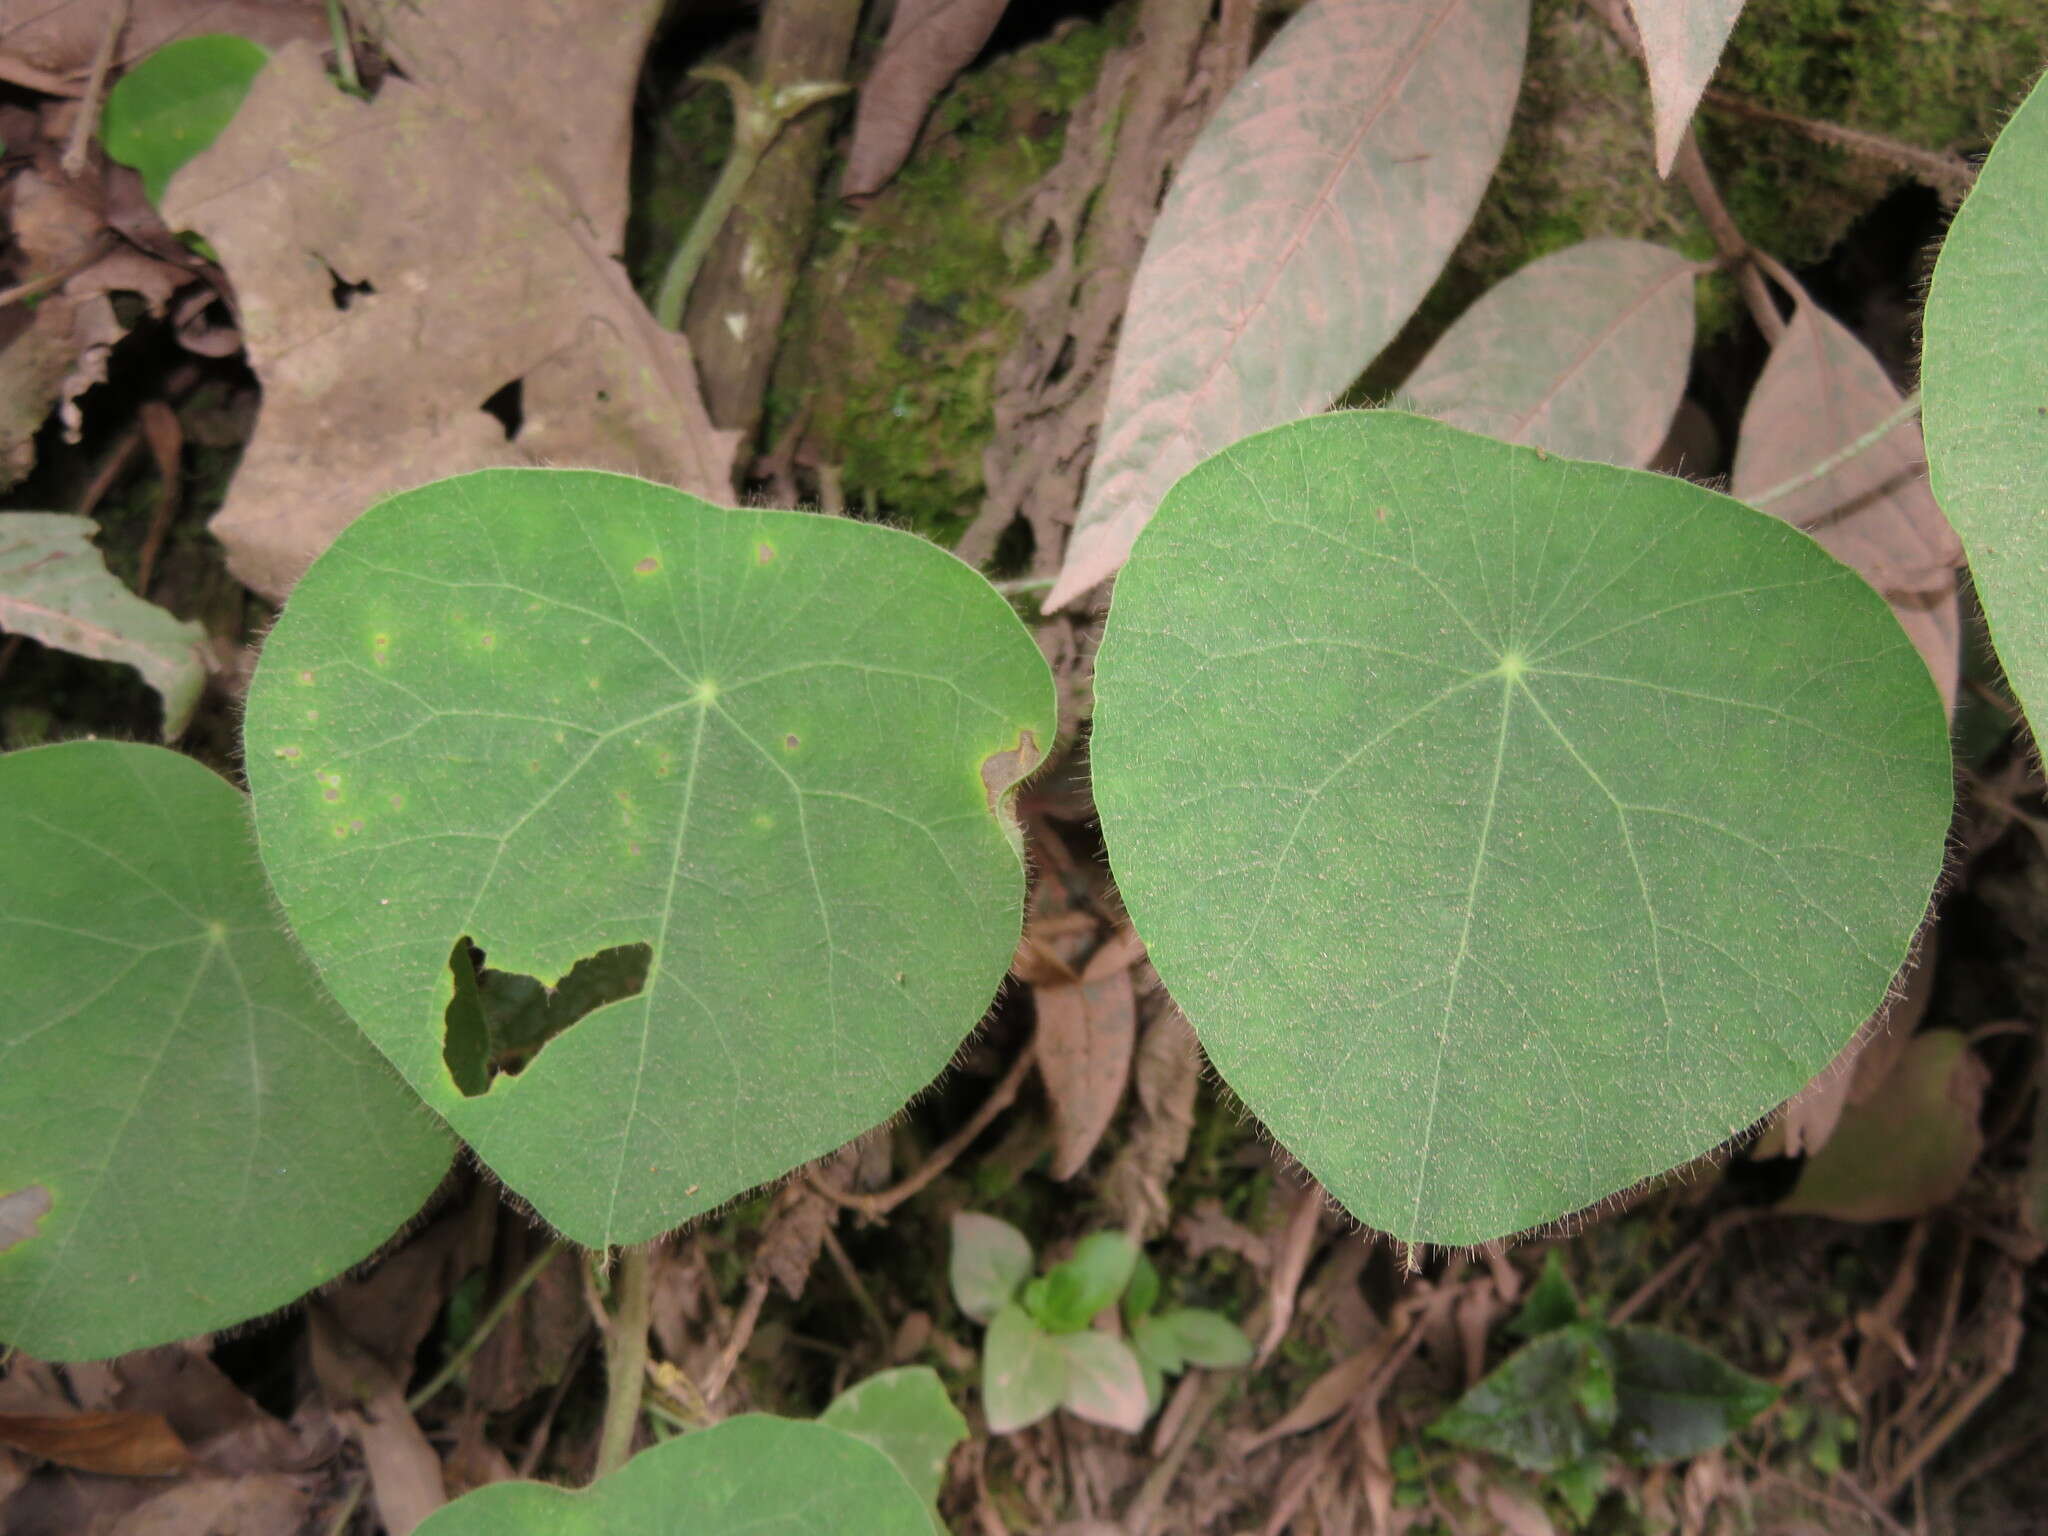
(498, 1021)
(508, 405)
(344, 293)
(19, 1213)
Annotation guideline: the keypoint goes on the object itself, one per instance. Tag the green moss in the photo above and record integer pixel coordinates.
(1935, 74)
(903, 314)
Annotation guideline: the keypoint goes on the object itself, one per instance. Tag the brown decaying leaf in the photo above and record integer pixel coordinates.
(62, 38)
(1820, 391)
(485, 230)
(929, 42)
(1086, 1030)
(1168, 1070)
(1304, 227)
(263, 1504)
(529, 1350)
(115, 1444)
(1909, 1147)
(406, 1481)
(1583, 352)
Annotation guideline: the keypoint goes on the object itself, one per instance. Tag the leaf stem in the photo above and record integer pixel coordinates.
(1908, 408)
(625, 1359)
(345, 72)
(757, 117)
(500, 1310)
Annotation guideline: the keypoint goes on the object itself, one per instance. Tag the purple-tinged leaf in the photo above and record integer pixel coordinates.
(929, 42)
(1682, 41)
(1307, 223)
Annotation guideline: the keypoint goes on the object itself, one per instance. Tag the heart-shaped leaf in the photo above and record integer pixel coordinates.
(1461, 794)
(1306, 224)
(906, 1415)
(541, 716)
(195, 1134)
(751, 1474)
(1206, 1338)
(991, 1259)
(1583, 353)
(1985, 374)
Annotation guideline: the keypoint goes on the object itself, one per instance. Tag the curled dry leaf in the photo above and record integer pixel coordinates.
(1583, 353)
(1086, 1030)
(1305, 226)
(929, 42)
(112, 1444)
(260, 1505)
(1821, 391)
(1682, 42)
(403, 260)
(1168, 1070)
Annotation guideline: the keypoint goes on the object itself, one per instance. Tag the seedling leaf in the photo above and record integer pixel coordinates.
(749, 1474)
(558, 713)
(195, 1133)
(1023, 1372)
(1207, 1338)
(991, 1259)
(1068, 1296)
(1104, 1383)
(1461, 796)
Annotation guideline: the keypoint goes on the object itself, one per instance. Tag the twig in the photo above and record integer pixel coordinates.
(1024, 584)
(537, 1442)
(1150, 1498)
(166, 437)
(999, 1099)
(625, 1359)
(36, 287)
(860, 1291)
(348, 1507)
(757, 118)
(1947, 174)
(742, 1335)
(89, 105)
(501, 1309)
(1714, 1231)
(1908, 408)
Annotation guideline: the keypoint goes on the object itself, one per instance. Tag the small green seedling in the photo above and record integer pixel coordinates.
(172, 105)
(1584, 1393)
(1041, 1352)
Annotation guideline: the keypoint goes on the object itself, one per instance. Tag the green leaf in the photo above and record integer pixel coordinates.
(1552, 1402)
(172, 105)
(1984, 372)
(1142, 1295)
(1308, 221)
(1104, 1383)
(906, 1415)
(1023, 1372)
(1552, 1302)
(195, 1133)
(1208, 1338)
(1464, 799)
(1584, 353)
(54, 588)
(559, 713)
(1682, 42)
(1156, 1345)
(1674, 1399)
(1067, 1297)
(991, 1259)
(751, 1474)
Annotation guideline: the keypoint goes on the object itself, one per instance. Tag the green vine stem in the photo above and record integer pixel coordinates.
(757, 117)
(500, 1310)
(625, 1358)
(1908, 408)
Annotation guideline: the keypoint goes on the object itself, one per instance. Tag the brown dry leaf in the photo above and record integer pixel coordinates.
(368, 1399)
(114, 1444)
(1821, 391)
(929, 42)
(61, 36)
(225, 1428)
(262, 1505)
(1305, 226)
(400, 261)
(798, 1221)
(1329, 1394)
(1206, 1229)
(1518, 1514)
(1168, 1070)
(1909, 1147)
(532, 1346)
(1804, 1125)
(1086, 1031)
